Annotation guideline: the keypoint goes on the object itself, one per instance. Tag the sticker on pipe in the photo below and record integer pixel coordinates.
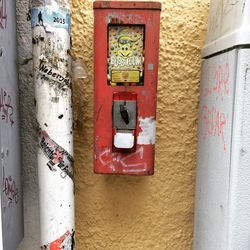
(57, 155)
(66, 241)
(51, 46)
(47, 17)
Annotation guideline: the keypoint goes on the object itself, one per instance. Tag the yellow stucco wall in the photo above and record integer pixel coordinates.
(118, 212)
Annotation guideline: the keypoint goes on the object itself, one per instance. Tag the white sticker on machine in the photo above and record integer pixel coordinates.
(147, 134)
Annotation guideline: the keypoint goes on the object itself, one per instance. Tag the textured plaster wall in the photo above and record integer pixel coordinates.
(118, 212)
(114, 212)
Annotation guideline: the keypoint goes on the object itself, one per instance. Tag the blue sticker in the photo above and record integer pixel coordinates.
(44, 16)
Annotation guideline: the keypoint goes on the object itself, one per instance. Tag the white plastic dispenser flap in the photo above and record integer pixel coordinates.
(124, 140)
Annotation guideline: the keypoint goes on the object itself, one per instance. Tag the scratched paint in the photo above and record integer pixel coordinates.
(134, 162)
(226, 19)
(128, 130)
(52, 76)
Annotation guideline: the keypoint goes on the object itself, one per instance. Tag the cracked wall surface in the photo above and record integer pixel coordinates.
(119, 212)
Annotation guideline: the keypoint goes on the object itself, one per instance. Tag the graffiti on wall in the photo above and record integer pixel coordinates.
(3, 14)
(9, 188)
(214, 119)
(6, 108)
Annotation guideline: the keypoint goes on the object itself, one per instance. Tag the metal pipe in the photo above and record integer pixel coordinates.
(52, 80)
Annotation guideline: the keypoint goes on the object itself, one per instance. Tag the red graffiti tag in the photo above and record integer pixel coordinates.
(9, 188)
(221, 78)
(220, 85)
(3, 14)
(6, 108)
(215, 122)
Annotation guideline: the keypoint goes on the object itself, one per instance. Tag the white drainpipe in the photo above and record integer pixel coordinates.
(52, 80)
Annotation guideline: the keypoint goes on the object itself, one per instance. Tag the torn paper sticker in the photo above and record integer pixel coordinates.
(147, 134)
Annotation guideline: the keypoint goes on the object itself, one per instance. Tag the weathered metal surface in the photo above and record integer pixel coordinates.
(126, 5)
(126, 47)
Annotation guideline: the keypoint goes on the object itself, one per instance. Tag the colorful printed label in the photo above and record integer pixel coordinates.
(51, 46)
(126, 54)
(48, 17)
(125, 76)
(65, 242)
(56, 154)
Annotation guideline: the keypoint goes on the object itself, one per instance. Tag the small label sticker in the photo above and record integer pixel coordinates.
(48, 17)
(125, 76)
(54, 74)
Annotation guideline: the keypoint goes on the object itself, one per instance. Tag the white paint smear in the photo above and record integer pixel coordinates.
(147, 134)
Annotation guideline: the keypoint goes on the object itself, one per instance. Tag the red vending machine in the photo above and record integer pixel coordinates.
(126, 48)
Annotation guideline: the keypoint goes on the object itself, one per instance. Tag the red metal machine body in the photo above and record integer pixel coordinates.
(126, 48)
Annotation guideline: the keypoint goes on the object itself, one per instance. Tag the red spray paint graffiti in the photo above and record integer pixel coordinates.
(3, 14)
(220, 84)
(221, 78)
(215, 122)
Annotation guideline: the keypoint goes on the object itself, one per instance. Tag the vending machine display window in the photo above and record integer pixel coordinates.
(126, 55)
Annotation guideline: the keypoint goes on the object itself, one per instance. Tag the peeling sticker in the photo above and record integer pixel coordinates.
(59, 18)
(66, 242)
(51, 47)
(54, 74)
(147, 134)
(56, 154)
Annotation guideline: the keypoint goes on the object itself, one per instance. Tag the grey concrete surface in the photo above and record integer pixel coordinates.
(28, 129)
